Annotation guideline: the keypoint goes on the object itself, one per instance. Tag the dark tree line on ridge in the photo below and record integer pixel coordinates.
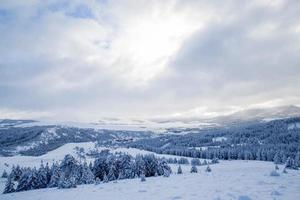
(266, 141)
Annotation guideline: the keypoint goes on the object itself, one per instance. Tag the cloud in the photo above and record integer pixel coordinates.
(87, 59)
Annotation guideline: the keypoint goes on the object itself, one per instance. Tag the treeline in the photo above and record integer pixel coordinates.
(69, 172)
(269, 141)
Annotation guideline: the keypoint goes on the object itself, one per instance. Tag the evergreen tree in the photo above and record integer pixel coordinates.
(64, 182)
(179, 170)
(97, 182)
(143, 178)
(111, 174)
(208, 169)
(284, 171)
(297, 159)
(194, 169)
(277, 159)
(23, 184)
(276, 167)
(4, 174)
(105, 179)
(9, 186)
(42, 177)
(87, 177)
(196, 162)
(55, 177)
(16, 173)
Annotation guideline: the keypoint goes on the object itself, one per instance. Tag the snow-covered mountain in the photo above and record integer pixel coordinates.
(258, 114)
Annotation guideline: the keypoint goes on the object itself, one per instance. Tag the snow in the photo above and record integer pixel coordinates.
(127, 125)
(59, 153)
(219, 139)
(241, 180)
(295, 125)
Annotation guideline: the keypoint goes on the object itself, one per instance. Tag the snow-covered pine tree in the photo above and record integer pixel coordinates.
(126, 170)
(143, 178)
(290, 163)
(208, 169)
(55, 177)
(4, 174)
(194, 169)
(179, 170)
(215, 160)
(42, 179)
(48, 172)
(16, 173)
(66, 182)
(277, 159)
(167, 172)
(111, 173)
(97, 181)
(196, 162)
(87, 177)
(91, 166)
(9, 186)
(33, 181)
(297, 159)
(105, 179)
(284, 171)
(23, 184)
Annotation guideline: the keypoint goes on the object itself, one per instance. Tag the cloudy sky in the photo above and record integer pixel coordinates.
(88, 59)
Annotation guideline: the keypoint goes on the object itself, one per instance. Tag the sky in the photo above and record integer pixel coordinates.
(83, 60)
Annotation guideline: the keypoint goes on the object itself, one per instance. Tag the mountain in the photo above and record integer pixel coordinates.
(258, 114)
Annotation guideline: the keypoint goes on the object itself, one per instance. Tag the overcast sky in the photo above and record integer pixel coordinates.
(84, 60)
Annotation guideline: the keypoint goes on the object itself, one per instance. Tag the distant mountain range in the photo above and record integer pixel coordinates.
(258, 114)
(162, 124)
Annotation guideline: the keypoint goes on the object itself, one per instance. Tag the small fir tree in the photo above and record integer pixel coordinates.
(179, 170)
(194, 169)
(9, 186)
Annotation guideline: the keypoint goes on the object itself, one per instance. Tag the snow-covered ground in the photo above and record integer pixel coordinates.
(241, 180)
(59, 153)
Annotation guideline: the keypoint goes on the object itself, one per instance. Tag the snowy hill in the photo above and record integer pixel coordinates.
(241, 180)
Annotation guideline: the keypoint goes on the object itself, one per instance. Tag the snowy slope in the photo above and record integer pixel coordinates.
(241, 180)
(59, 153)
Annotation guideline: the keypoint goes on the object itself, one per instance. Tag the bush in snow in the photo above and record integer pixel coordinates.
(208, 169)
(194, 169)
(4, 174)
(179, 170)
(9, 186)
(196, 162)
(276, 167)
(274, 173)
